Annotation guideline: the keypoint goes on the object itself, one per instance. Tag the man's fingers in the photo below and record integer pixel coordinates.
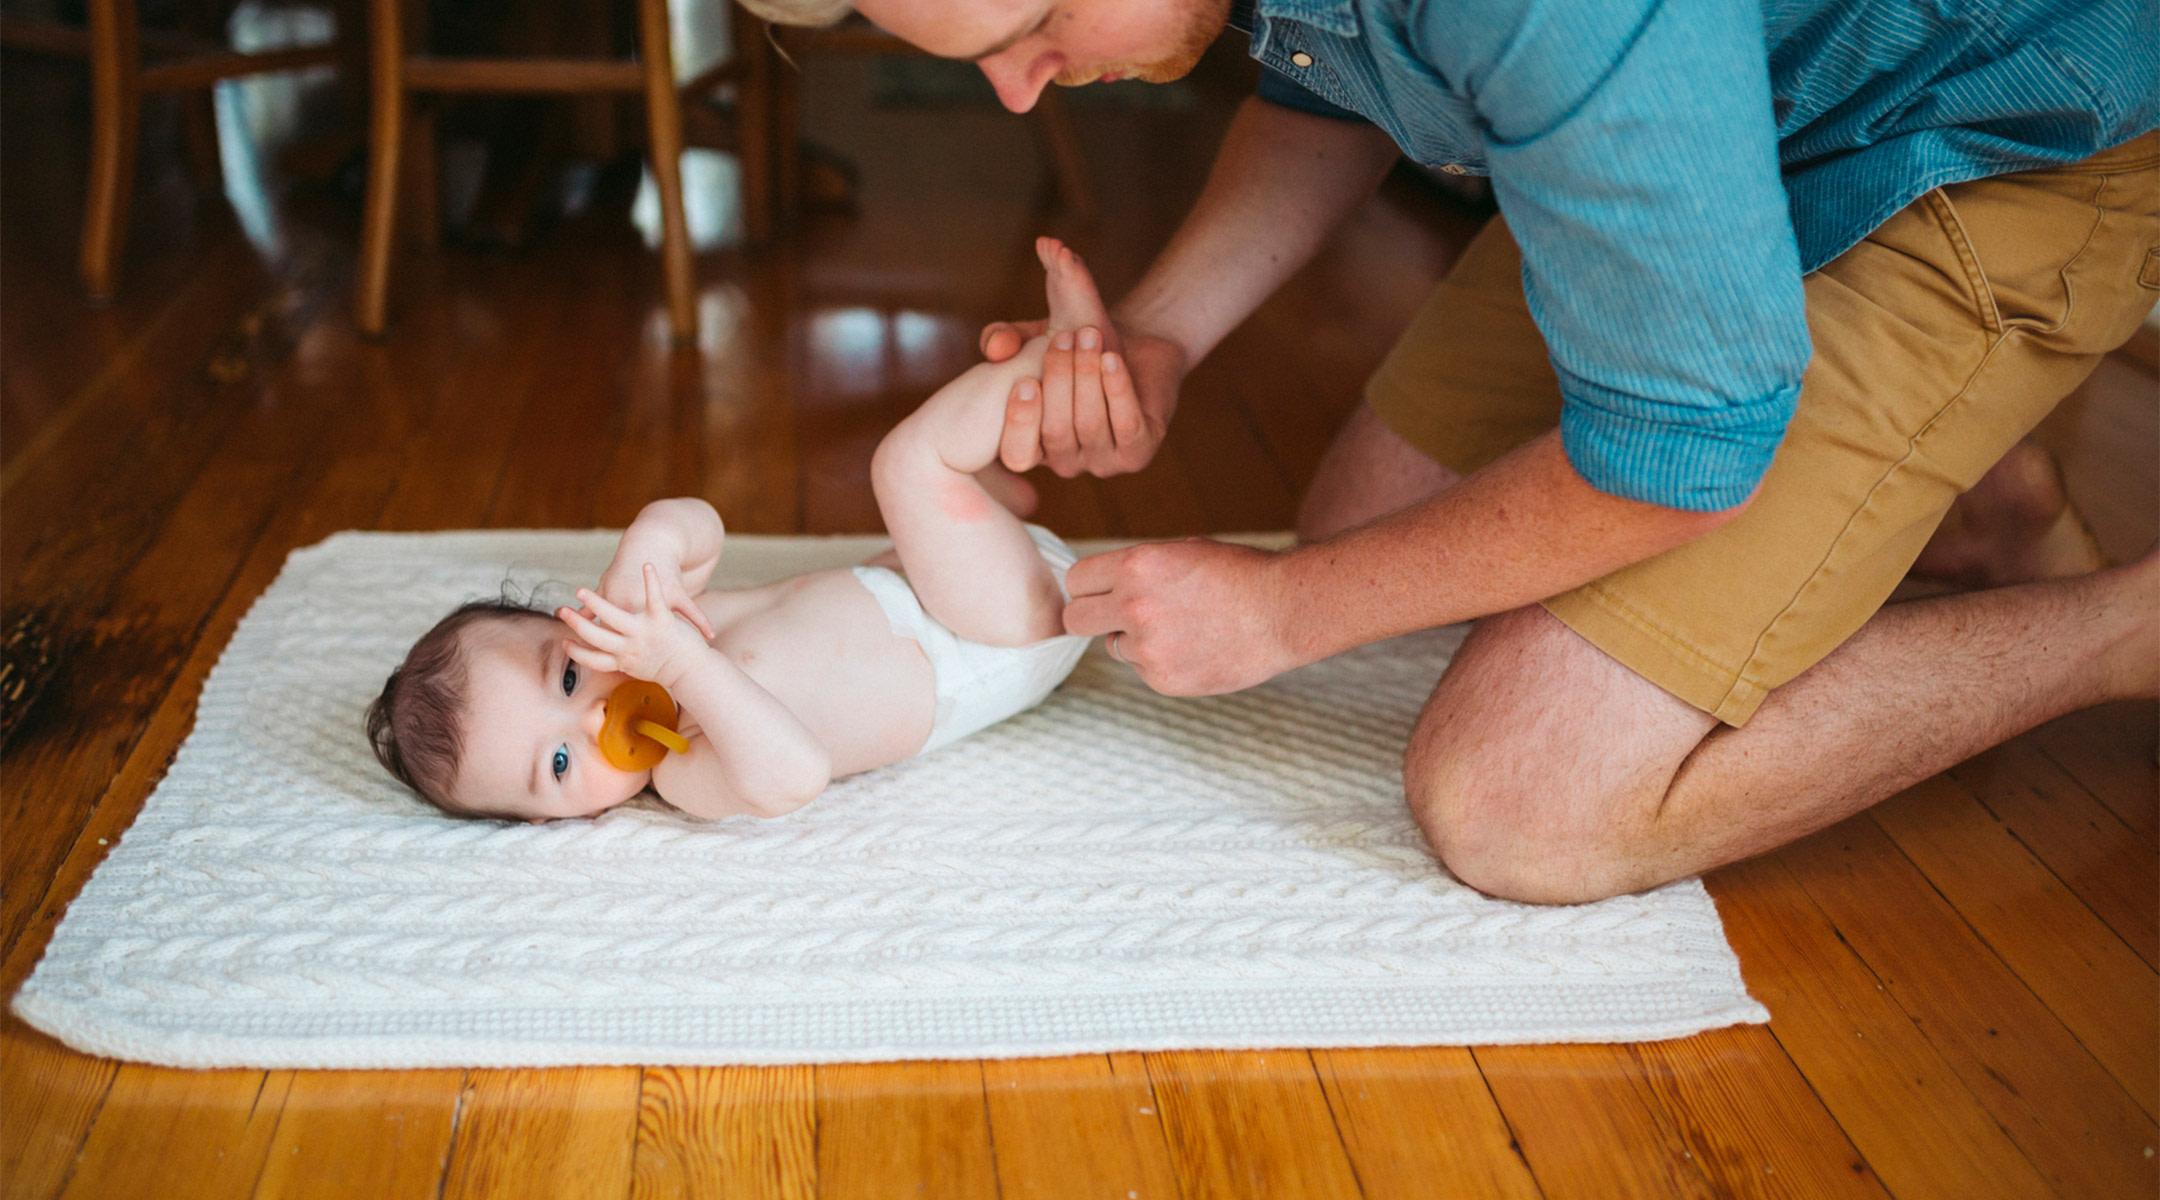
(1128, 423)
(1060, 449)
(1093, 575)
(1002, 339)
(1091, 424)
(1094, 616)
(1020, 443)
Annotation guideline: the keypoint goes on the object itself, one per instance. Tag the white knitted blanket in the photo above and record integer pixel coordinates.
(1111, 871)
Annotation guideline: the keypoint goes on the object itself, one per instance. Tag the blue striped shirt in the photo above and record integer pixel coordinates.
(1671, 168)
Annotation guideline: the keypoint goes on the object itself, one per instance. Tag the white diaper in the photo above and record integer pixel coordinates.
(978, 685)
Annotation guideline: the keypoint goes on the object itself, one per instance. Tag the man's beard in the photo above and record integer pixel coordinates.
(1207, 19)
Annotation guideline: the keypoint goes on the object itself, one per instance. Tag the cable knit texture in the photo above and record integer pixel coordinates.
(1110, 871)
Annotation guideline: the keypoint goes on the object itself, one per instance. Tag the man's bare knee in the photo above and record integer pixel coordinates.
(1536, 768)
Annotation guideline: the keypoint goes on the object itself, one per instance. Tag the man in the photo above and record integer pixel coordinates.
(1772, 289)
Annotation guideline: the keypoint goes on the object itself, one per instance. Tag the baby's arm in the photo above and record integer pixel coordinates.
(683, 538)
(749, 753)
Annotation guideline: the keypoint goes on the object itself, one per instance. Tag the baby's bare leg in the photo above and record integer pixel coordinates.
(969, 559)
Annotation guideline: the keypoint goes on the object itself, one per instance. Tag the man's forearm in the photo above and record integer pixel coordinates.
(1280, 185)
(1524, 528)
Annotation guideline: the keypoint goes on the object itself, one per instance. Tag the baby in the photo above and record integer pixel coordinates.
(497, 711)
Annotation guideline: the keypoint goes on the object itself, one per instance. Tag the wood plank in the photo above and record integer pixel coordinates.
(2073, 1121)
(566, 432)
(456, 460)
(380, 1134)
(727, 1131)
(1750, 1120)
(51, 1096)
(1589, 1123)
(903, 1129)
(1889, 1088)
(1249, 1123)
(657, 451)
(1080, 1126)
(140, 367)
(72, 740)
(747, 433)
(2111, 751)
(1409, 1117)
(2088, 847)
(159, 1126)
(564, 1132)
(349, 474)
(2086, 975)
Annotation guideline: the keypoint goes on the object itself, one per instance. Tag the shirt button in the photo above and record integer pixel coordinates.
(1301, 59)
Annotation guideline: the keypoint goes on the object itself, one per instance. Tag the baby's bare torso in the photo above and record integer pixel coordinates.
(822, 646)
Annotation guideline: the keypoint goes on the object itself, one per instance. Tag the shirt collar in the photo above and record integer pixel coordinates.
(1338, 17)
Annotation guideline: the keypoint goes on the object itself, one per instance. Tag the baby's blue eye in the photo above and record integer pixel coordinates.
(569, 678)
(561, 761)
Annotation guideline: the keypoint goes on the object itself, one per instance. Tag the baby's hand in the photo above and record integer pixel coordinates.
(624, 585)
(644, 644)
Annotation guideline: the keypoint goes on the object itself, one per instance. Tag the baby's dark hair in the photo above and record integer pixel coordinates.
(417, 725)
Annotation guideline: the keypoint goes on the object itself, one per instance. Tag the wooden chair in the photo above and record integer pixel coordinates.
(768, 92)
(397, 135)
(119, 78)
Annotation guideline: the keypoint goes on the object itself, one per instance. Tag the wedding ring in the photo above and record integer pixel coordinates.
(1112, 644)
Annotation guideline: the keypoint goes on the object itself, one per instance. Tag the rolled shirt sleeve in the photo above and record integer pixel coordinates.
(1634, 154)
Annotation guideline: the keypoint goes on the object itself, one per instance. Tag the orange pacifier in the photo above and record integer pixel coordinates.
(640, 727)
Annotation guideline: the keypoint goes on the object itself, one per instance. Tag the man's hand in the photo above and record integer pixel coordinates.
(1100, 409)
(646, 643)
(1194, 618)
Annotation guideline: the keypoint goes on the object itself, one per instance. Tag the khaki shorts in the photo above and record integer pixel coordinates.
(1940, 341)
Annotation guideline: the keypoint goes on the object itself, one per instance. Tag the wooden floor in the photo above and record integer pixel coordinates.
(1962, 981)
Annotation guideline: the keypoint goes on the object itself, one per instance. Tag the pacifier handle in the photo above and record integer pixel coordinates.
(662, 734)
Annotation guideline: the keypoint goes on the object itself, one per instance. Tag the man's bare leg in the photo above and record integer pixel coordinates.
(1542, 770)
(1368, 472)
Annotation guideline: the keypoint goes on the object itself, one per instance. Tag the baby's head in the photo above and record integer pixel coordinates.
(490, 717)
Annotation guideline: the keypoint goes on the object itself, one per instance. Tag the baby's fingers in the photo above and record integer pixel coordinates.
(597, 636)
(598, 605)
(586, 656)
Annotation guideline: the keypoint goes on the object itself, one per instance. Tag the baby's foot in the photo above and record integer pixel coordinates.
(1074, 302)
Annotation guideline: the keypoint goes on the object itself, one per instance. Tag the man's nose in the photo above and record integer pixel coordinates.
(1019, 75)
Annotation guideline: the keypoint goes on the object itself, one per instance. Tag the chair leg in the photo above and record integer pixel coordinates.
(1053, 120)
(753, 125)
(663, 128)
(115, 109)
(386, 141)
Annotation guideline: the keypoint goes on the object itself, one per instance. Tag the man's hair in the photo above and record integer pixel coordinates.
(417, 725)
(799, 12)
